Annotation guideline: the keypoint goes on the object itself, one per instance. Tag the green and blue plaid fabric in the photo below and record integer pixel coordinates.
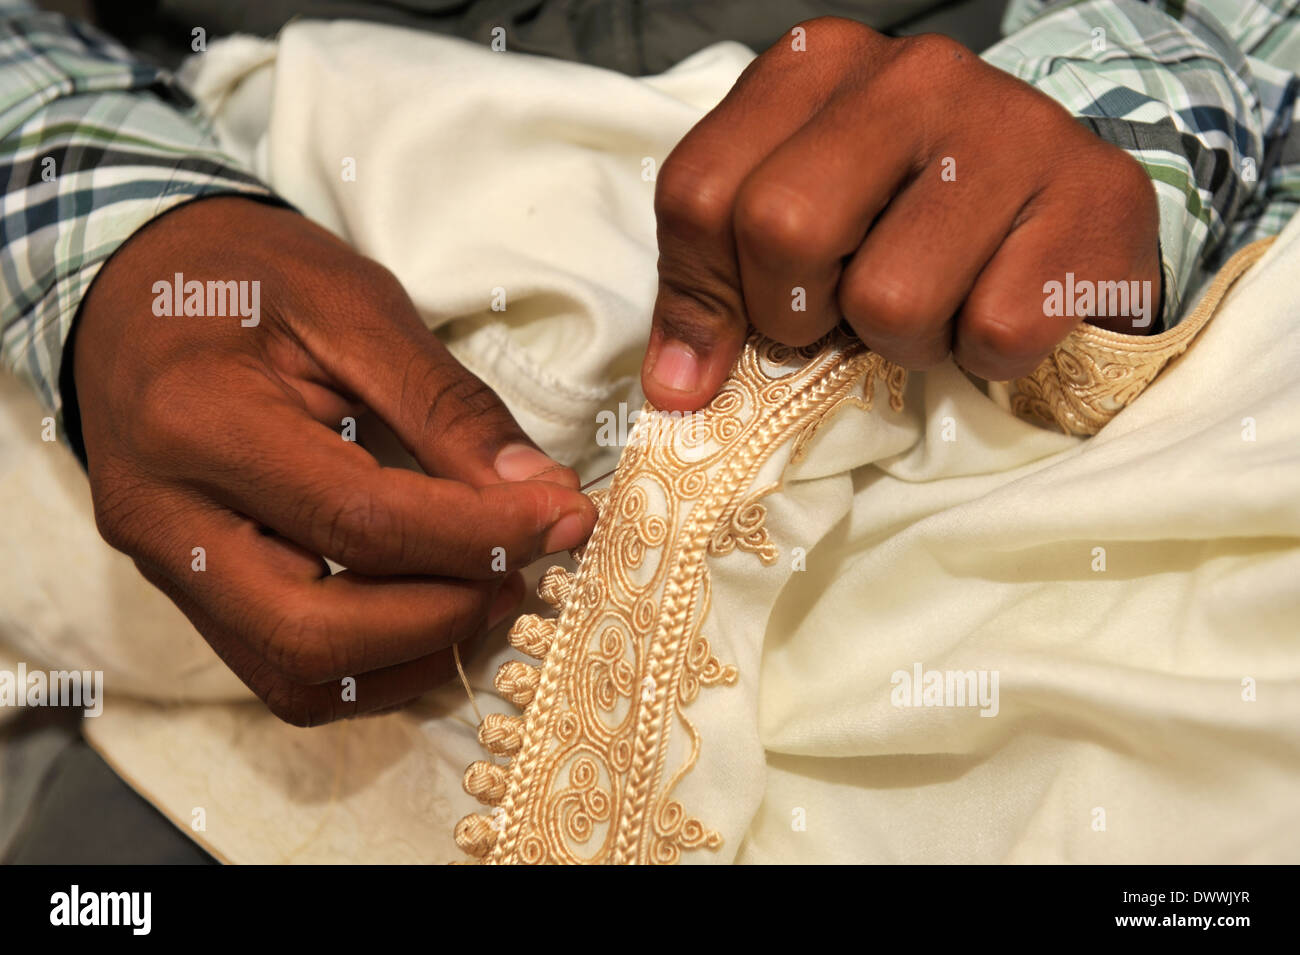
(1203, 93)
(94, 144)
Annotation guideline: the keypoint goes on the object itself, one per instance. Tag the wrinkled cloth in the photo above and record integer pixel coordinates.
(1149, 706)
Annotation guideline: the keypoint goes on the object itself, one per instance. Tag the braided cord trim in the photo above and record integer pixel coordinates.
(592, 773)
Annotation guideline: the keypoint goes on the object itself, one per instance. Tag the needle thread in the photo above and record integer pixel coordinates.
(464, 681)
(597, 480)
(455, 647)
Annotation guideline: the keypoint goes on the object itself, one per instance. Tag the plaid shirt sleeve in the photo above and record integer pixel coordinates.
(94, 144)
(1203, 93)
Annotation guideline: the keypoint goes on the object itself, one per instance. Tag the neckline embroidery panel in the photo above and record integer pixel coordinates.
(605, 735)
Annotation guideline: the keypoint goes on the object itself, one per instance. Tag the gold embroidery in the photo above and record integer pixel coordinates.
(745, 528)
(592, 775)
(1094, 374)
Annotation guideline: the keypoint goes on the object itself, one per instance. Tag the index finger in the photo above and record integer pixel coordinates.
(699, 322)
(278, 617)
(291, 473)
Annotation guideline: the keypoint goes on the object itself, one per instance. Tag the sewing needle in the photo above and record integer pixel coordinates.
(597, 480)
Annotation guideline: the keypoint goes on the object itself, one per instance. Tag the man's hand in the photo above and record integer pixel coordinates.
(902, 184)
(202, 432)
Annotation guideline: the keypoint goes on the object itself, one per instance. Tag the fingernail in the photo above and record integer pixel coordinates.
(677, 367)
(569, 532)
(519, 462)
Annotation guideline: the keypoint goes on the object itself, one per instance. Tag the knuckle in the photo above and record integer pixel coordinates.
(777, 224)
(1005, 348)
(888, 308)
(697, 310)
(690, 203)
(108, 518)
(933, 52)
(298, 646)
(295, 706)
(693, 313)
(457, 400)
(289, 702)
(352, 529)
(836, 32)
(116, 504)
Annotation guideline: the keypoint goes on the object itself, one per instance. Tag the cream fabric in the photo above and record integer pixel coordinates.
(1120, 690)
(66, 598)
(477, 171)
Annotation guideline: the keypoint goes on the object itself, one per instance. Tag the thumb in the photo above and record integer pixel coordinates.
(468, 434)
(694, 341)
(452, 423)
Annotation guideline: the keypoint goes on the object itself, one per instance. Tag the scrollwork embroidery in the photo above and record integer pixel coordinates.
(591, 777)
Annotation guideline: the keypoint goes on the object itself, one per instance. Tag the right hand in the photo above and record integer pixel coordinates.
(200, 432)
(822, 179)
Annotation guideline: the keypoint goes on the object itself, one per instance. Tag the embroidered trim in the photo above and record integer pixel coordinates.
(1094, 374)
(592, 775)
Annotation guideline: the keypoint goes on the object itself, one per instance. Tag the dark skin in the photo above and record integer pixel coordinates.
(200, 432)
(821, 169)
